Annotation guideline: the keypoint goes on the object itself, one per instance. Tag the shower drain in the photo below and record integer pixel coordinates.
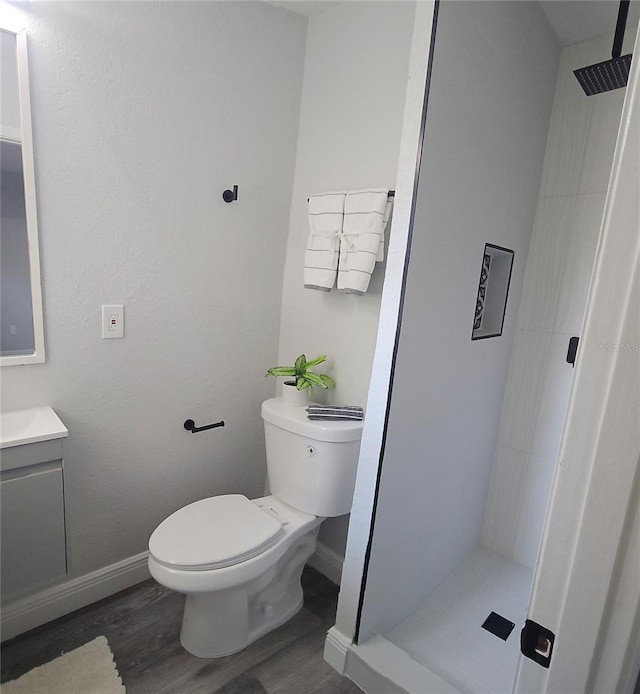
(498, 625)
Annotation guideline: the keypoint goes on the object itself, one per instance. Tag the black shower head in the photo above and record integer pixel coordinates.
(605, 76)
(610, 74)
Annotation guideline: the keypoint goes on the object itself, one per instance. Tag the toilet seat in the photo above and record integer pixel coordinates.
(214, 533)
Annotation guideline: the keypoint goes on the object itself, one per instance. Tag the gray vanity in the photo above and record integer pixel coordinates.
(31, 501)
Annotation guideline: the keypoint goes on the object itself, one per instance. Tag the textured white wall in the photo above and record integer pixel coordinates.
(143, 114)
(355, 78)
(578, 159)
(487, 117)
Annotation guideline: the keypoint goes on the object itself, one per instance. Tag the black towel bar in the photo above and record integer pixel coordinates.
(392, 194)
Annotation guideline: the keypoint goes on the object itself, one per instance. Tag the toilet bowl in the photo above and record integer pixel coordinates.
(243, 582)
(239, 561)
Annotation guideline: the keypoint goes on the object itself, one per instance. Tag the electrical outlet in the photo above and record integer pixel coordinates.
(112, 321)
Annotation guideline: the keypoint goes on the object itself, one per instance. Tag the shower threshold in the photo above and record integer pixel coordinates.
(446, 635)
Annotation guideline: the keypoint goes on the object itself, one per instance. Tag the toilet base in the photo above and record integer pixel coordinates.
(226, 621)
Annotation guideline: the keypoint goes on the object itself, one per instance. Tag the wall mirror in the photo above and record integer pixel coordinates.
(21, 326)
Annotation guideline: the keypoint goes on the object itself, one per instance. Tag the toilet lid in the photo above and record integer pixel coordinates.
(213, 533)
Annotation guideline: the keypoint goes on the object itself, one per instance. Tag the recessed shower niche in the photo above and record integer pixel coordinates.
(493, 290)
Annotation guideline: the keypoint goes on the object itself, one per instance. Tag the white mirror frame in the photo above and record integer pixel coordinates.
(25, 138)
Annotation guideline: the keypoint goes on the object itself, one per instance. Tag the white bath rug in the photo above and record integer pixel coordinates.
(87, 670)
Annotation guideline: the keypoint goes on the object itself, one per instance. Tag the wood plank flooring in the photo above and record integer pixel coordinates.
(142, 625)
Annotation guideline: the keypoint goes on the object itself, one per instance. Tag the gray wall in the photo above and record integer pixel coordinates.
(355, 79)
(489, 106)
(143, 114)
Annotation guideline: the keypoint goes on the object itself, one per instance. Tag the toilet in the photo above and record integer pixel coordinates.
(239, 561)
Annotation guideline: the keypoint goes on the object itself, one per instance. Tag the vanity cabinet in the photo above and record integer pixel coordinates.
(32, 519)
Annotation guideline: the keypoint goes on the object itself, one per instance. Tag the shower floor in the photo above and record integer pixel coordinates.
(445, 634)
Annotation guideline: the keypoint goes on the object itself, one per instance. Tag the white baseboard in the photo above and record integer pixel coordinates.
(32, 611)
(327, 562)
(336, 647)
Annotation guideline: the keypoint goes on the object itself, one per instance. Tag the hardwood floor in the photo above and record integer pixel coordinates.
(142, 625)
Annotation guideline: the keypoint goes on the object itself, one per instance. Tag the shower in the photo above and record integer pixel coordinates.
(514, 157)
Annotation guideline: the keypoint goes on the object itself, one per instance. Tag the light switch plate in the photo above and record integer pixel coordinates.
(112, 321)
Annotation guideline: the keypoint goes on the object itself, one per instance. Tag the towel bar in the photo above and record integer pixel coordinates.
(392, 194)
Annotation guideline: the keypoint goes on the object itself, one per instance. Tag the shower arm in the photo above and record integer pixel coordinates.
(620, 27)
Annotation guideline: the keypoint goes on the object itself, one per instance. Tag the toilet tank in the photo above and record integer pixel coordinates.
(311, 465)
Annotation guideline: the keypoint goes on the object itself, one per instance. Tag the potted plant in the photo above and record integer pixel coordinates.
(303, 379)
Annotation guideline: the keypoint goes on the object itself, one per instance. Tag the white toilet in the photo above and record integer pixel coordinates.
(238, 561)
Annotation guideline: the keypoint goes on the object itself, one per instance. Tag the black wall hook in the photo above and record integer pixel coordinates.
(230, 195)
(190, 425)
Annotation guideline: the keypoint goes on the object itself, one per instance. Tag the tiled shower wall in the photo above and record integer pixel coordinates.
(576, 171)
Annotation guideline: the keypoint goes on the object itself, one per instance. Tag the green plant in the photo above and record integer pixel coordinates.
(303, 377)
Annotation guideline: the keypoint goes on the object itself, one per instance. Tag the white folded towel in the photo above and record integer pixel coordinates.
(366, 213)
(321, 256)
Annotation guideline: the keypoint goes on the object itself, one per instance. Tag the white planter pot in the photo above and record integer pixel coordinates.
(293, 397)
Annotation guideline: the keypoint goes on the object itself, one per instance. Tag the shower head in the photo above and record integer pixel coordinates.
(605, 76)
(609, 74)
